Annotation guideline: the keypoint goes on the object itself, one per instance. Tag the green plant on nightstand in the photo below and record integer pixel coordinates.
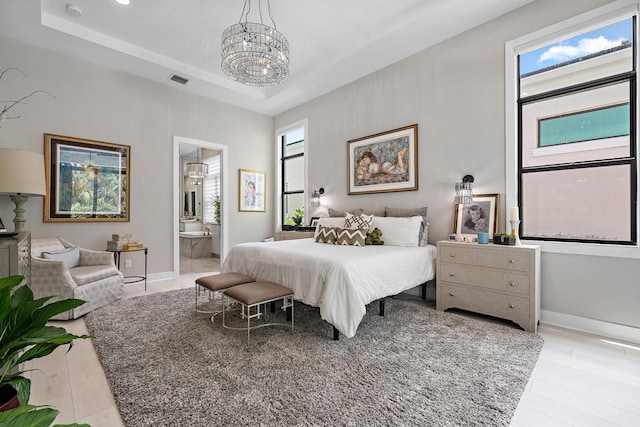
(297, 218)
(24, 336)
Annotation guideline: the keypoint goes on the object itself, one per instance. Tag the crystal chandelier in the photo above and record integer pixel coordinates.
(253, 53)
(197, 170)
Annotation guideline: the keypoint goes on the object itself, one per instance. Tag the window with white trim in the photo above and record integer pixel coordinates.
(292, 174)
(576, 135)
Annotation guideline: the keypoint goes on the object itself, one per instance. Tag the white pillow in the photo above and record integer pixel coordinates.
(357, 221)
(399, 231)
(331, 222)
(69, 256)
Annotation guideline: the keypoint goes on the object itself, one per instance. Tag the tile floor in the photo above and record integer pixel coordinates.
(579, 380)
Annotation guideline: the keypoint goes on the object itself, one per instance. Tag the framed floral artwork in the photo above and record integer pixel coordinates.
(383, 162)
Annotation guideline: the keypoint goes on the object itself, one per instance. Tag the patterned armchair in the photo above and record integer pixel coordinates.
(64, 270)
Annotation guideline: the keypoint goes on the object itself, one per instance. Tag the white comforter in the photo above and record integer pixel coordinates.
(341, 280)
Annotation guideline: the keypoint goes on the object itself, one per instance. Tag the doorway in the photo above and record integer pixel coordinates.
(182, 146)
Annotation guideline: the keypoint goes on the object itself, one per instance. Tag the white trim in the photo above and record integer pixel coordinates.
(559, 31)
(165, 275)
(591, 326)
(573, 26)
(590, 249)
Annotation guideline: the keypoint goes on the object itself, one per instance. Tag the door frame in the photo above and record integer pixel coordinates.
(224, 187)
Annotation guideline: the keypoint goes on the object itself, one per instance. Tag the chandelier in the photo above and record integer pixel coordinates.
(197, 169)
(253, 53)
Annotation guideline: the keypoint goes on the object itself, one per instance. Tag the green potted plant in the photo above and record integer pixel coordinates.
(296, 220)
(298, 217)
(216, 209)
(24, 336)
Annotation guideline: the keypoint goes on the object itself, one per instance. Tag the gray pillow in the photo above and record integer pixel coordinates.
(335, 213)
(424, 228)
(70, 256)
(374, 212)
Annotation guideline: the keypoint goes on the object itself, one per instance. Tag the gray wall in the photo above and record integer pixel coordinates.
(98, 103)
(455, 92)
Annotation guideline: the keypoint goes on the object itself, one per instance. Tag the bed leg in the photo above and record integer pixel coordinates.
(336, 334)
(424, 291)
(382, 307)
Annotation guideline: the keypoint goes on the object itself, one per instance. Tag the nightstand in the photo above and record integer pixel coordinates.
(292, 235)
(500, 281)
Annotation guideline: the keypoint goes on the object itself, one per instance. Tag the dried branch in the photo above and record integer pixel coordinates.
(11, 104)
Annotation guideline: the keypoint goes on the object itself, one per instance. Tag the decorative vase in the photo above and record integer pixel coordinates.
(8, 398)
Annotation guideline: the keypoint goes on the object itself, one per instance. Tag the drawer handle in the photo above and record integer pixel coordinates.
(511, 284)
(451, 294)
(452, 255)
(512, 306)
(511, 261)
(452, 275)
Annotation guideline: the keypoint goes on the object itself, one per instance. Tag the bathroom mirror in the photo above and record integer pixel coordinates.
(191, 188)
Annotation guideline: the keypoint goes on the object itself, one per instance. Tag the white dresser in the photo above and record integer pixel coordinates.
(500, 281)
(15, 256)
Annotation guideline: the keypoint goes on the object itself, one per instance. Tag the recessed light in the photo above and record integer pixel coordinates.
(123, 1)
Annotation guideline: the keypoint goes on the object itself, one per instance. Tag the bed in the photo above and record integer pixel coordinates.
(340, 280)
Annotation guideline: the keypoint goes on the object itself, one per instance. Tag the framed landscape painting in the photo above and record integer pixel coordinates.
(481, 215)
(87, 181)
(383, 162)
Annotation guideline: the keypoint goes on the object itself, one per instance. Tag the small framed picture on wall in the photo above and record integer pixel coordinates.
(252, 191)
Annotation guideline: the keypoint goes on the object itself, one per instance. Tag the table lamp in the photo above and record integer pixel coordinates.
(21, 176)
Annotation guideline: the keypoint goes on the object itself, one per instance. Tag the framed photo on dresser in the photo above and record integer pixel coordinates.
(479, 216)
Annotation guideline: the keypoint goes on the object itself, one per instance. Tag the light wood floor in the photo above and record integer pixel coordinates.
(579, 380)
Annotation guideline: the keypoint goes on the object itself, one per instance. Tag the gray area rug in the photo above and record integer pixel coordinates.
(168, 366)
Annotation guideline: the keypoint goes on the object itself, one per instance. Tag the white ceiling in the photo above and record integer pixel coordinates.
(332, 42)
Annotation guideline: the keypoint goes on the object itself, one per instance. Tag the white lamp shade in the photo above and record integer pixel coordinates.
(22, 172)
(197, 170)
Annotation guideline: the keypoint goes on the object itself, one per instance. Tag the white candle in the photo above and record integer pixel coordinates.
(515, 214)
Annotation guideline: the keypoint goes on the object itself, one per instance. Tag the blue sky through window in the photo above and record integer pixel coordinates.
(584, 44)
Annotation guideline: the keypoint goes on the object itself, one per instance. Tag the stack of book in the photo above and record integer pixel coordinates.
(123, 242)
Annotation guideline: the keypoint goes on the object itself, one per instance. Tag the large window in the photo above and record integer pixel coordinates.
(576, 131)
(292, 174)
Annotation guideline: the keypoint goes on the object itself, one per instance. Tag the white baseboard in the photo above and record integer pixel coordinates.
(591, 326)
(165, 275)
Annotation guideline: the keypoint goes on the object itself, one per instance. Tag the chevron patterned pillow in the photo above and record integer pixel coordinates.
(326, 235)
(351, 236)
(357, 221)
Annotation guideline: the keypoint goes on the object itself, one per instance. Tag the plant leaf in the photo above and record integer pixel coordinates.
(28, 415)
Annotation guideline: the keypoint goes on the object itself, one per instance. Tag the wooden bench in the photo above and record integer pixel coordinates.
(251, 296)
